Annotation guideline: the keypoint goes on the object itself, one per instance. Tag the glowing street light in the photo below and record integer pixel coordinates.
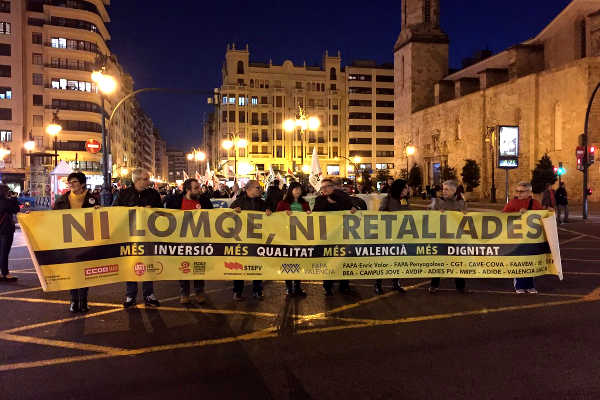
(303, 123)
(3, 153)
(234, 143)
(53, 129)
(410, 150)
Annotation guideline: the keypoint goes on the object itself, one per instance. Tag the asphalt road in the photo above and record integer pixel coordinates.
(487, 344)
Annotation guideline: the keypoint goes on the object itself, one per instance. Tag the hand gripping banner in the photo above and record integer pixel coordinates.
(88, 247)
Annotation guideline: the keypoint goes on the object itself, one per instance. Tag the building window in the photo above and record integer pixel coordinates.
(359, 90)
(73, 23)
(264, 135)
(4, 49)
(427, 11)
(37, 79)
(384, 78)
(264, 100)
(298, 85)
(264, 119)
(241, 101)
(35, 22)
(359, 103)
(37, 59)
(359, 141)
(254, 137)
(224, 115)
(231, 99)
(225, 100)
(279, 134)
(251, 83)
(38, 100)
(6, 114)
(334, 120)
(64, 84)
(5, 6)
(254, 100)
(384, 128)
(360, 77)
(385, 154)
(387, 91)
(254, 118)
(231, 116)
(332, 75)
(36, 38)
(242, 117)
(360, 128)
(5, 28)
(385, 141)
(39, 142)
(279, 101)
(384, 104)
(5, 136)
(38, 120)
(255, 149)
(5, 71)
(389, 116)
(240, 67)
(5, 93)
(278, 118)
(358, 115)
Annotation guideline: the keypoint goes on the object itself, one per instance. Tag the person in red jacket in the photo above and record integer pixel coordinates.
(293, 201)
(522, 203)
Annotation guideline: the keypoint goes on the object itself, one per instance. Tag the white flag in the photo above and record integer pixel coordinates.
(315, 171)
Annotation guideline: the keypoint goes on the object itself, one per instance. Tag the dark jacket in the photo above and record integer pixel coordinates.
(174, 202)
(8, 207)
(561, 196)
(358, 203)
(391, 204)
(274, 196)
(62, 203)
(246, 203)
(342, 202)
(132, 198)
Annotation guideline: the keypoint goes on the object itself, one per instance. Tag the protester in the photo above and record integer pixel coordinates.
(385, 188)
(139, 195)
(293, 201)
(396, 200)
(548, 198)
(274, 195)
(190, 199)
(562, 203)
(522, 203)
(333, 199)
(77, 197)
(8, 207)
(448, 202)
(249, 200)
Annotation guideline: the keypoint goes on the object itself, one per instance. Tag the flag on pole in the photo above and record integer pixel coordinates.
(290, 173)
(270, 178)
(185, 176)
(281, 180)
(315, 172)
(198, 177)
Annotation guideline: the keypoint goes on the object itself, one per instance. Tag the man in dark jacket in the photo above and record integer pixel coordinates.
(333, 199)
(139, 195)
(274, 195)
(249, 200)
(77, 197)
(562, 203)
(8, 207)
(191, 199)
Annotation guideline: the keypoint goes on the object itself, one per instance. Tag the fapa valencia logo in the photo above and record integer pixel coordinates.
(234, 266)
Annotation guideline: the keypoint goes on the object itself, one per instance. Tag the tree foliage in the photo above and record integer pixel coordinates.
(471, 174)
(415, 177)
(543, 174)
(448, 173)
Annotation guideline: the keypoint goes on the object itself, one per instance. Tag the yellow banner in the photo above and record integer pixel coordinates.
(89, 247)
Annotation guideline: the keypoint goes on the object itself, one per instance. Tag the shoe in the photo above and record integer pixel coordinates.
(9, 278)
(299, 292)
(184, 299)
(74, 307)
(532, 291)
(129, 301)
(83, 306)
(258, 295)
(328, 292)
(200, 298)
(238, 297)
(520, 291)
(152, 301)
(432, 289)
(378, 290)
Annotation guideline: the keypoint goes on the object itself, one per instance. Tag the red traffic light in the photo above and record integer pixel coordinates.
(588, 191)
(555, 169)
(592, 149)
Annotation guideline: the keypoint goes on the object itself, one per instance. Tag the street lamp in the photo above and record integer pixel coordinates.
(196, 155)
(236, 143)
(410, 150)
(354, 161)
(106, 85)
(53, 130)
(303, 123)
(490, 137)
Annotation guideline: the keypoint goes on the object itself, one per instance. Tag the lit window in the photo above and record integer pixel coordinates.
(224, 99)
(241, 101)
(5, 28)
(5, 136)
(5, 93)
(254, 100)
(231, 99)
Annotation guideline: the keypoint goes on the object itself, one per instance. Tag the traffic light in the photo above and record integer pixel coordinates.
(579, 154)
(588, 192)
(591, 153)
(555, 169)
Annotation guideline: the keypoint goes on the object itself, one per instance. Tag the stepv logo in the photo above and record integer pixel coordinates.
(290, 268)
(234, 266)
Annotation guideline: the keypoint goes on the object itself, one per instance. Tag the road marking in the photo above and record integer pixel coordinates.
(583, 273)
(579, 259)
(60, 321)
(571, 240)
(20, 291)
(512, 292)
(59, 343)
(19, 259)
(54, 361)
(579, 233)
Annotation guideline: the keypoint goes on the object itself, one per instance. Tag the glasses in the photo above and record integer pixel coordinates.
(73, 182)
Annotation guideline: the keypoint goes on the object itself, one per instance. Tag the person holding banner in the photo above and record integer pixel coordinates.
(249, 200)
(523, 203)
(396, 200)
(333, 199)
(139, 195)
(191, 199)
(448, 202)
(8, 207)
(293, 201)
(77, 197)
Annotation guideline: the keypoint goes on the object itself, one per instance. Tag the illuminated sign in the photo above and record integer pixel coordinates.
(508, 146)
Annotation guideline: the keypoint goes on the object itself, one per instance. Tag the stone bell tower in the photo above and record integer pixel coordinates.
(420, 56)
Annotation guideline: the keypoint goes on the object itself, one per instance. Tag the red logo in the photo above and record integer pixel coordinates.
(139, 269)
(185, 267)
(105, 269)
(234, 265)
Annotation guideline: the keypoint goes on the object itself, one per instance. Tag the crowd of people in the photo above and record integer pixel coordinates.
(289, 199)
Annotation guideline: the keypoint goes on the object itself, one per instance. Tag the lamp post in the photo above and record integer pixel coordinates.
(490, 138)
(53, 130)
(196, 155)
(303, 123)
(106, 85)
(354, 161)
(409, 150)
(236, 143)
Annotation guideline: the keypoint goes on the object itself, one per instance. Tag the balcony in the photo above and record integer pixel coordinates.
(85, 68)
(79, 46)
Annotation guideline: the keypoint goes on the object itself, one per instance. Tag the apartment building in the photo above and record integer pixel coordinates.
(161, 162)
(177, 163)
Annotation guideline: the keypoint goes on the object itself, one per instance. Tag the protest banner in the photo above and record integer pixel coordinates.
(88, 247)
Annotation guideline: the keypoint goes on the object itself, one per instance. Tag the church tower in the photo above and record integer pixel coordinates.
(420, 57)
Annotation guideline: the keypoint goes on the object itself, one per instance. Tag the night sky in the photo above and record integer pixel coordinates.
(183, 46)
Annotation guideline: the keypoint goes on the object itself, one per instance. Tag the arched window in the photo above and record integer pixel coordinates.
(332, 75)
(251, 82)
(240, 69)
